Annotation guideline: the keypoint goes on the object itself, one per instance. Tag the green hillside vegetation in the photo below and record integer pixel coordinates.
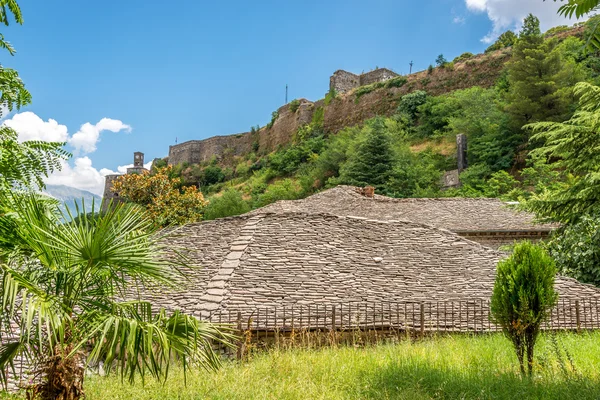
(406, 154)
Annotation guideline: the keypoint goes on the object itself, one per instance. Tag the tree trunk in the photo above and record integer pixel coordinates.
(62, 377)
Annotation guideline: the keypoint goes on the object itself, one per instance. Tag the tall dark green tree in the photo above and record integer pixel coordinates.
(539, 78)
(531, 27)
(373, 161)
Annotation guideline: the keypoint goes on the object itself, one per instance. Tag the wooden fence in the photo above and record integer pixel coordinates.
(418, 317)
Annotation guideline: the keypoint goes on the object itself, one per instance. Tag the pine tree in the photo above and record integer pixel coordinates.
(539, 78)
(373, 162)
(531, 27)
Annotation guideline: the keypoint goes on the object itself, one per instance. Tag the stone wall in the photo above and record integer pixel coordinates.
(378, 75)
(197, 151)
(343, 81)
(267, 139)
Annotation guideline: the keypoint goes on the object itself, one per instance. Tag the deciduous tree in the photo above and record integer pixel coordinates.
(167, 201)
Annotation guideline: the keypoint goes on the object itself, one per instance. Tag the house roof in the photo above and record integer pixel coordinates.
(288, 258)
(456, 214)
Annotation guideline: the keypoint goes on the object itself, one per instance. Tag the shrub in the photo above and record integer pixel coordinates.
(330, 96)
(274, 116)
(285, 189)
(430, 69)
(229, 204)
(463, 57)
(294, 105)
(318, 117)
(523, 297)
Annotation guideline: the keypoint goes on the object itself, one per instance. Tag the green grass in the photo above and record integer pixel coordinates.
(455, 367)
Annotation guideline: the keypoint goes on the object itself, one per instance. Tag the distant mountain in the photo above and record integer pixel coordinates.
(69, 196)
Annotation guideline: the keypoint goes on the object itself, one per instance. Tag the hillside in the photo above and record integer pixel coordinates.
(399, 133)
(355, 107)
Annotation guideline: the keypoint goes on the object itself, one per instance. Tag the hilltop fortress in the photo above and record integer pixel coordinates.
(284, 126)
(356, 98)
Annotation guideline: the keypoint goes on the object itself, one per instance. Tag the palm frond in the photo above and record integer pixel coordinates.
(133, 338)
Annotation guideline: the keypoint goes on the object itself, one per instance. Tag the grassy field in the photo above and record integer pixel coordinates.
(454, 367)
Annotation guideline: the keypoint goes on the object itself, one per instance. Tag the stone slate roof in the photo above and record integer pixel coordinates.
(455, 214)
(277, 259)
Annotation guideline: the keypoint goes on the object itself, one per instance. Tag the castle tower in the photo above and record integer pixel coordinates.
(111, 196)
(138, 163)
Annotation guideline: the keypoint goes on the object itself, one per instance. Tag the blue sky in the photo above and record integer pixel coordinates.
(115, 77)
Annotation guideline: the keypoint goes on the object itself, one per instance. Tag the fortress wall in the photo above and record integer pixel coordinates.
(343, 81)
(378, 75)
(197, 151)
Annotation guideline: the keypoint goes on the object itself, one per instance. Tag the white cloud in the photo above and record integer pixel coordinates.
(509, 14)
(458, 20)
(80, 173)
(31, 127)
(88, 136)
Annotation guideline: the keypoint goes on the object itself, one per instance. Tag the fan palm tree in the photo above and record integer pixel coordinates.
(68, 298)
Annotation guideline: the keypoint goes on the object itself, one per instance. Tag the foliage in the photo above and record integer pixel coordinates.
(274, 116)
(410, 103)
(318, 117)
(579, 8)
(530, 28)
(228, 204)
(571, 146)
(70, 289)
(167, 202)
(523, 297)
(396, 82)
(372, 163)
(507, 39)
(294, 105)
(330, 96)
(285, 189)
(576, 249)
(13, 93)
(539, 80)
(210, 175)
(430, 69)
(287, 161)
(413, 175)
(441, 61)
(463, 57)
(26, 164)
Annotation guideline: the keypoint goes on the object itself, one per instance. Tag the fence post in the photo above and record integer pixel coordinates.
(240, 349)
(333, 318)
(422, 312)
(577, 317)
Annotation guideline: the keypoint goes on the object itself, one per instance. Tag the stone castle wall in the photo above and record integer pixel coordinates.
(343, 81)
(197, 151)
(267, 139)
(378, 75)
